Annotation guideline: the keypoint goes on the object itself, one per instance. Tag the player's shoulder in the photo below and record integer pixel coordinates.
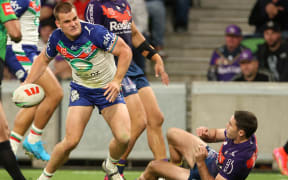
(56, 35)
(97, 2)
(19, 6)
(89, 27)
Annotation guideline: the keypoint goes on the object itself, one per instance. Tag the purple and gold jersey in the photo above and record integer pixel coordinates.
(89, 56)
(235, 161)
(116, 17)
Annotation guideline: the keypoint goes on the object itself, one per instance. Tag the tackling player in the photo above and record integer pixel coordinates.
(139, 96)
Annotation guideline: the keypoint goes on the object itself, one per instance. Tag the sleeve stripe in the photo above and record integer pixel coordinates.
(114, 44)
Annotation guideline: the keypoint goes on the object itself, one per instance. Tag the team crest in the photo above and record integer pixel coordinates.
(64, 51)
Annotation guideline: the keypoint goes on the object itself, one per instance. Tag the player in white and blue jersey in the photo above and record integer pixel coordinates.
(19, 58)
(90, 50)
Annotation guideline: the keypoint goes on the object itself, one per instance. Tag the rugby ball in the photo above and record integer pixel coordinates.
(28, 95)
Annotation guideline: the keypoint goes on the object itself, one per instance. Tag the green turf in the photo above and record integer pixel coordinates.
(130, 175)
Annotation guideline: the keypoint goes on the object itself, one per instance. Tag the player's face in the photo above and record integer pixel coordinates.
(271, 37)
(232, 42)
(231, 129)
(69, 24)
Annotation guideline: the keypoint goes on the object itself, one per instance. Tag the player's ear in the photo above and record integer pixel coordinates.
(241, 133)
(57, 23)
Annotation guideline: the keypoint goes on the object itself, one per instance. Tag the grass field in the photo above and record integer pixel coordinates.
(130, 175)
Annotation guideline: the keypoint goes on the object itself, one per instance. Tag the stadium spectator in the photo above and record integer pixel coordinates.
(8, 24)
(250, 68)
(19, 59)
(224, 63)
(95, 82)
(269, 10)
(80, 6)
(280, 155)
(140, 18)
(273, 54)
(235, 160)
(139, 96)
(180, 10)
(157, 21)
(59, 67)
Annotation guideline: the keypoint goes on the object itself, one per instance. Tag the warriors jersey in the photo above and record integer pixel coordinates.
(92, 64)
(6, 14)
(235, 161)
(116, 17)
(28, 12)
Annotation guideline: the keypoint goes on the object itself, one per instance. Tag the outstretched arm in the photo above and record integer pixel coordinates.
(149, 52)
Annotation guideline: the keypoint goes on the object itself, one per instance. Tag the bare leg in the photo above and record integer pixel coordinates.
(118, 119)
(53, 96)
(155, 120)
(76, 121)
(138, 120)
(177, 139)
(4, 131)
(158, 168)
(43, 112)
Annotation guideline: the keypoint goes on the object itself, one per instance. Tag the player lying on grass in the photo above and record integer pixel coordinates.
(234, 161)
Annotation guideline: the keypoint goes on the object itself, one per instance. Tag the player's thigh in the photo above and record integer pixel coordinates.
(76, 121)
(136, 109)
(151, 106)
(118, 119)
(184, 142)
(49, 83)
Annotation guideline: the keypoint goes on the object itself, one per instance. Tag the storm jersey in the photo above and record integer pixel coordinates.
(235, 161)
(28, 12)
(92, 64)
(116, 17)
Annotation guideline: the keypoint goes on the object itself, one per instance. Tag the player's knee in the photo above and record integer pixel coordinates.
(71, 144)
(124, 138)
(152, 166)
(56, 96)
(156, 120)
(171, 134)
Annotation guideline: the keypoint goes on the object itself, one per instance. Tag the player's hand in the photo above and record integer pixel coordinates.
(201, 153)
(159, 69)
(112, 91)
(202, 132)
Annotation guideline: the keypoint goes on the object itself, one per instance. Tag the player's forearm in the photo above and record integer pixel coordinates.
(203, 171)
(38, 68)
(124, 60)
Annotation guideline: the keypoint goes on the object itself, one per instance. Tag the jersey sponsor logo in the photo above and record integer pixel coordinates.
(16, 7)
(118, 16)
(115, 26)
(89, 30)
(107, 38)
(229, 166)
(89, 14)
(7, 9)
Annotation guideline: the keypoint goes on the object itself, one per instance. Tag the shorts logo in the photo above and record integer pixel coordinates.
(7, 9)
(74, 95)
